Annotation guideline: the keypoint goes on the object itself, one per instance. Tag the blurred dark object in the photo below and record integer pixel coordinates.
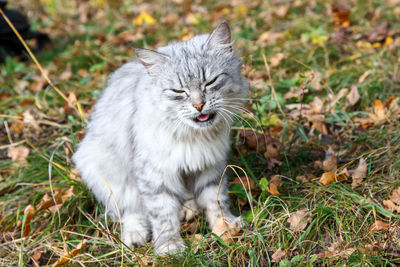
(9, 42)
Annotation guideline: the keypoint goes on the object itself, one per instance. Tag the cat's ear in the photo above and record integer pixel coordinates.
(220, 37)
(151, 60)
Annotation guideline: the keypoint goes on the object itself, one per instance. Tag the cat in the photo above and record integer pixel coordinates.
(159, 137)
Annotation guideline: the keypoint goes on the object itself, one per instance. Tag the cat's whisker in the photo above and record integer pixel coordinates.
(244, 110)
(237, 116)
(228, 126)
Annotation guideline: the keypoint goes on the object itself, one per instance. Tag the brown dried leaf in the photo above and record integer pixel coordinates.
(298, 220)
(330, 162)
(36, 256)
(334, 251)
(30, 213)
(353, 97)
(379, 226)
(60, 196)
(226, 231)
(269, 38)
(17, 127)
(247, 182)
(32, 128)
(316, 106)
(295, 93)
(341, 16)
(66, 74)
(393, 204)
(276, 59)
(281, 11)
(359, 173)
(197, 241)
(67, 256)
(273, 185)
(18, 154)
(278, 255)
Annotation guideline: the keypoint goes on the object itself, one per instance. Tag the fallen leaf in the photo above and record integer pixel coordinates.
(353, 97)
(330, 162)
(18, 154)
(276, 59)
(272, 154)
(278, 255)
(30, 120)
(72, 102)
(296, 93)
(65, 258)
(334, 251)
(341, 16)
(269, 38)
(246, 182)
(197, 241)
(379, 226)
(364, 76)
(393, 204)
(17, 127)
(170, 18)
(359, 173)
(316, 106)
(330, 177)
(281, 11)
(29, 212)
(379, 113)
(60, 196)
(66, 74)
(226, 231)
(273, 185)
(298, 220)
(144, 18)
(36, 256)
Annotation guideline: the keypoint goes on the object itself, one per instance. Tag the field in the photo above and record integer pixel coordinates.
(315, 162)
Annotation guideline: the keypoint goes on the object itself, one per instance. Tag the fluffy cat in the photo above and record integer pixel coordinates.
(159, 137)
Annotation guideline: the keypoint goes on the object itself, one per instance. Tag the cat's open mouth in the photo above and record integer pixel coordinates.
(204, 118)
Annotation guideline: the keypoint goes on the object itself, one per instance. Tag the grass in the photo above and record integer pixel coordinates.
(320, 55)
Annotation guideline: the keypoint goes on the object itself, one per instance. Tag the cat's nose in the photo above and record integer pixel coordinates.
(199, 107)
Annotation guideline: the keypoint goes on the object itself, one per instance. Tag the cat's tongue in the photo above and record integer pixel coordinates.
(203, 117)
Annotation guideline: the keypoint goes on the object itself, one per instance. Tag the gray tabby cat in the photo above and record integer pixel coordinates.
(159, 137)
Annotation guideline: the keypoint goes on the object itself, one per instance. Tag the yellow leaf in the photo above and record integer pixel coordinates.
(319, 40)
(144, 18)
(97, 3)
(240, 10)
(379, 111)
(388, 41)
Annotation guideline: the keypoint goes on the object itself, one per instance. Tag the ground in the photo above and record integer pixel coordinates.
(318, 141)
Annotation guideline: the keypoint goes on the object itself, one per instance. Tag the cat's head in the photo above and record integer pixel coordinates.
(198, 82)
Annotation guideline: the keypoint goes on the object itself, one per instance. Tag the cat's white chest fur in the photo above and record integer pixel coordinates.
(191, 154)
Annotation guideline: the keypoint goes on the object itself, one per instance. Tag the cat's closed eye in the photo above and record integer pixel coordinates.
(177, 91)
(215, 80)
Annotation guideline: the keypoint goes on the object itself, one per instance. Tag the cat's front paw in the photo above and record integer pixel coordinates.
(189, 210)
(232, 220)
(135, 238)
(170, 247)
